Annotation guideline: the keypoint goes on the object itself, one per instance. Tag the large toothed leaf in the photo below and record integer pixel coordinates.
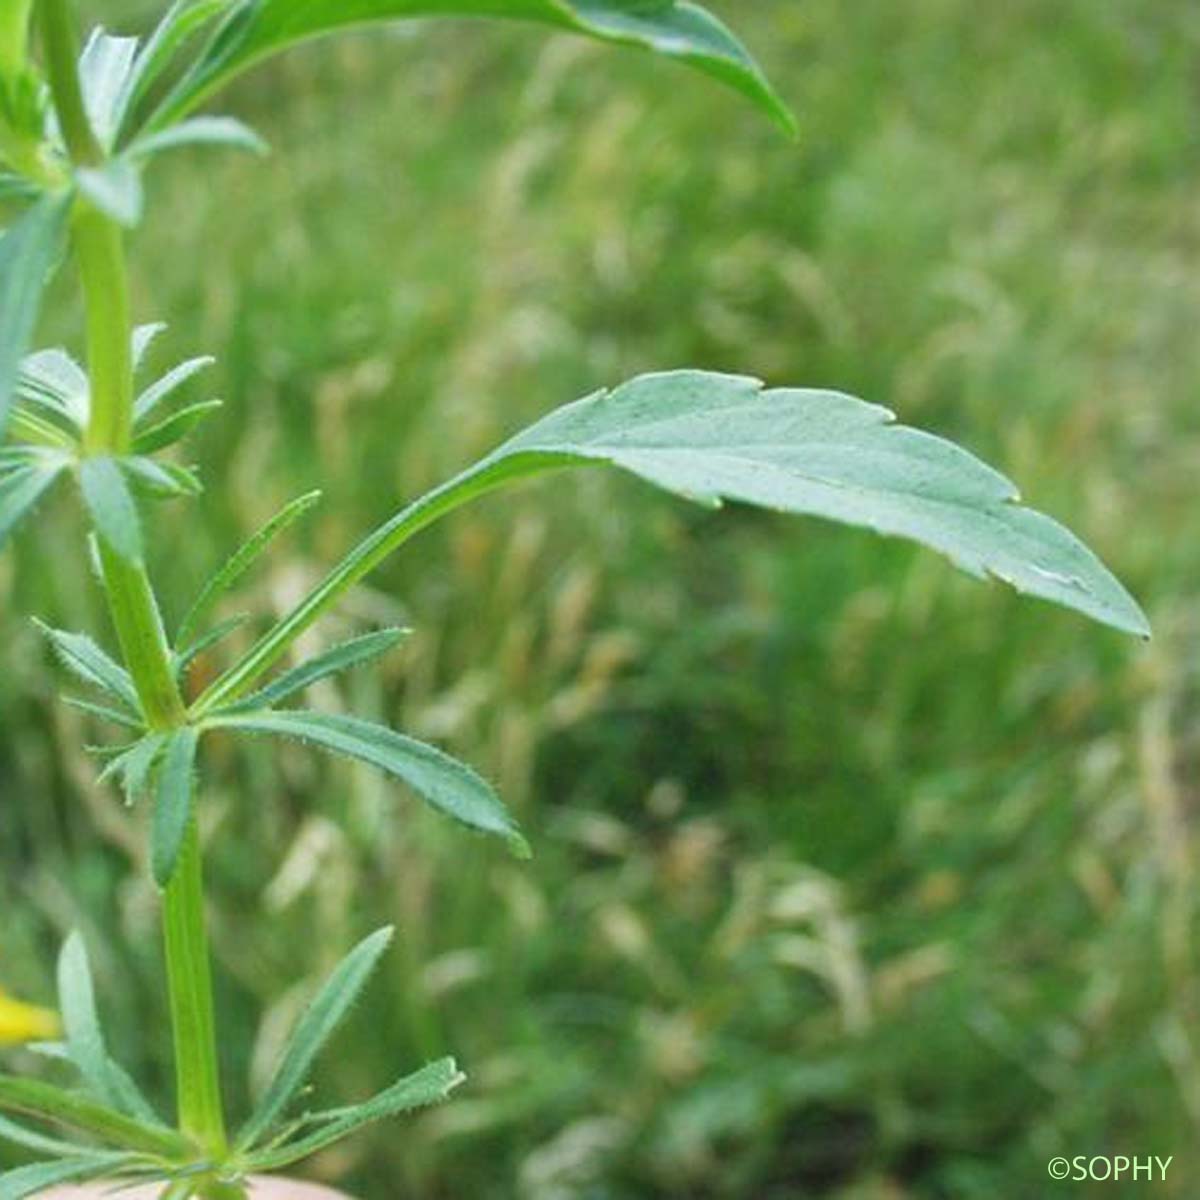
(241, 562)
(712, 437)
(446, 784)
(431, 1085)
(85, 1038)
(82, 656)
(255, 29)
(29, 250)
(320, 1020)
(340, 658)
(173, 803)
(110, 502)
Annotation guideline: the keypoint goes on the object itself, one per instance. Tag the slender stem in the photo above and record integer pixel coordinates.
(61, 48)
(190, 984)
(132, 604)
(101, 253)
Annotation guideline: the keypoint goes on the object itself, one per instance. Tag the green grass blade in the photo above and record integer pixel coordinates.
(431, 1085)
(173, 803)
(241, 562)
(318, 1024)
(445, 783)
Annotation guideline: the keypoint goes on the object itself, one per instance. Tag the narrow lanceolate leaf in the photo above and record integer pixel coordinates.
(103, 713)
(255, 29)
(19, 493)
(37, 1177)
(143, 338)
(110, 502)
(429, 1086)
(135, 767)
(446, 784)
(241, 562)
(206, 641)
(82, 656)
(85, 1038)
(54, 376)
(115, 188)
(709, 438)
(226, 132)
(181, 22)
(46, 1102)
(174, 428)
(160, 480)
(39, 1143)
(318, 1024)
(173, 803)
(28, 252)
(168, 385)
(340, 658)
(105, 68)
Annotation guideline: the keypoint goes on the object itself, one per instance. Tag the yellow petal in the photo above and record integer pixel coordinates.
(25, 1023)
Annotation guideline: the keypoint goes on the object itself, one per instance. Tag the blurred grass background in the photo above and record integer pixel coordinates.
(854, 878)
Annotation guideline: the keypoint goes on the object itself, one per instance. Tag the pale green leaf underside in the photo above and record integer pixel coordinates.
(255, 29)
(320, 1020)
(111, 505)
(711, 438)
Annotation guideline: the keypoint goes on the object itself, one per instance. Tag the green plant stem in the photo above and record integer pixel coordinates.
(190, 983)
(135, 614)
(61, 50)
